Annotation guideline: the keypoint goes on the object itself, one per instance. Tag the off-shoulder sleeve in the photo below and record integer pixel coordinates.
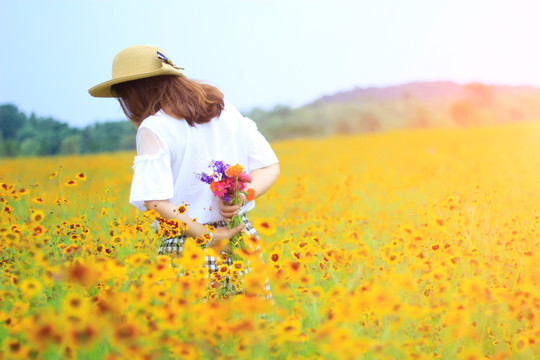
(260, 153)
(152, 175)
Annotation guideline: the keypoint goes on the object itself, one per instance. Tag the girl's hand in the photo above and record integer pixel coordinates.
(228, 211)
(224, 233)
(222, 236)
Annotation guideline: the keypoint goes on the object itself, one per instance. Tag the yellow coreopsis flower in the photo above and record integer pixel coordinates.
(37, 216)
(30, 287)
(192, 256)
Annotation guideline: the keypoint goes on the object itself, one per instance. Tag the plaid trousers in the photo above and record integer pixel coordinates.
(175, 245)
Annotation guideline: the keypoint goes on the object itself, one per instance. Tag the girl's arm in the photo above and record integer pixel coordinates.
(261, 180)
(168, 210)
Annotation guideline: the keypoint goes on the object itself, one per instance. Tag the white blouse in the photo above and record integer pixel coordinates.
(170, 153)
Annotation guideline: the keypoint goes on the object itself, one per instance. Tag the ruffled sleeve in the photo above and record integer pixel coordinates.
(152, 175)
(260, 153)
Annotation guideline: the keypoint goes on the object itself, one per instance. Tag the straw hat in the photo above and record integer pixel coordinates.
(136, 62)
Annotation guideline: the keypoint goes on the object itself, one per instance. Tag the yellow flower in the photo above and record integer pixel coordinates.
(74, 237)
(84, 336)
(471, 354)
(30, 287)
(82, 272)
(75, 305)
(264, 227)
(126, 331)
(192, 255)
(38, 200)
(37, 216)
(181, 209)
(13, 349)
(201, 241)
(137, 259)
(254, 283)
(237, 266)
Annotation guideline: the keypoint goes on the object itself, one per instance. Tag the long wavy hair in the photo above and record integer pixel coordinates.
(178, 96)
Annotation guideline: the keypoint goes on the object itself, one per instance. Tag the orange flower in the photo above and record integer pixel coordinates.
(250, 194)
(234, 170)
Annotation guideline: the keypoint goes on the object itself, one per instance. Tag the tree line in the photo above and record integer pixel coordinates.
(361, 110)
(22, 135)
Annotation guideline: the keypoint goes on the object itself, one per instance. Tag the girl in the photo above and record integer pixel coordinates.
(181, 127)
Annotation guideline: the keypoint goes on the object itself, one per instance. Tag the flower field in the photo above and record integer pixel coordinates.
(402, 245)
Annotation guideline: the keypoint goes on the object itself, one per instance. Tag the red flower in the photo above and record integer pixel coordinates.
(243, 177)
(218, 188)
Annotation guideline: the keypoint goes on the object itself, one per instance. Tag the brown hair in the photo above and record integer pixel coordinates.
(177, 95)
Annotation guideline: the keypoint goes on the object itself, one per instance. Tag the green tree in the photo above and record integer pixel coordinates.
(9, 147)
(71, 144)
(11, 120)
(109, 136)
(30, 147)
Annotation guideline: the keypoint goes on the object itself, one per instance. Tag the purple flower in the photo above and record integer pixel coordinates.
(219, 167)
(206, 178)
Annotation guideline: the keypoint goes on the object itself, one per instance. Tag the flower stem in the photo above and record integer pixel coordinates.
(235, 221)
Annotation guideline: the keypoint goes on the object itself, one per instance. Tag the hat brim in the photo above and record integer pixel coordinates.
(104, 89)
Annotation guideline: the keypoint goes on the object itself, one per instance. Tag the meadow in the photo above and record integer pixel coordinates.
(415, 244)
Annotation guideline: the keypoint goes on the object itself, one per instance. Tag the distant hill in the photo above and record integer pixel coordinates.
(411, 105)
(419, 90)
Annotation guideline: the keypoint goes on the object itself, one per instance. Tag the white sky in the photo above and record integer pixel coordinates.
(259, 52)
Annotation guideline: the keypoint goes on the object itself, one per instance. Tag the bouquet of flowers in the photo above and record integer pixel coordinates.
(228, 182)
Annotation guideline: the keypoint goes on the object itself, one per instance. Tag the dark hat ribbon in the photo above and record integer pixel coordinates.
(168, 61)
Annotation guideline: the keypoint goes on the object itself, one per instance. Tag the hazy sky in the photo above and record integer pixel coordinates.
(258, 52)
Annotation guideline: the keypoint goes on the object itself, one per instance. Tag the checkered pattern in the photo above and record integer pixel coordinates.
(175, 245)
